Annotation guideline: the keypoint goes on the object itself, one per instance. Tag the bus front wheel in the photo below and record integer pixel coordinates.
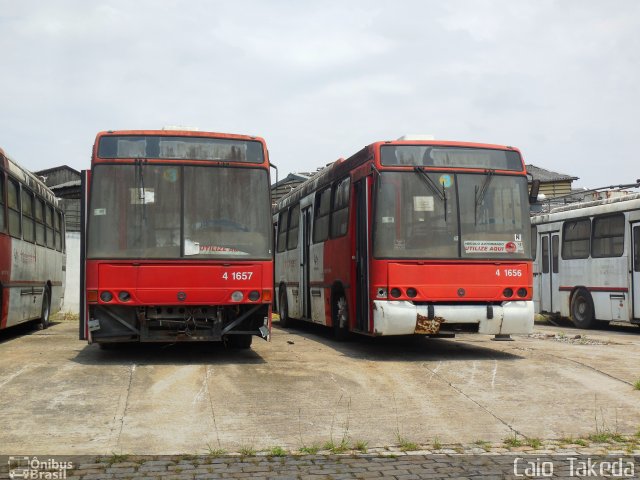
(582, 312)
(45, 312)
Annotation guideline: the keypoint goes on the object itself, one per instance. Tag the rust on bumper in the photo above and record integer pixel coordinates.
(428, 326)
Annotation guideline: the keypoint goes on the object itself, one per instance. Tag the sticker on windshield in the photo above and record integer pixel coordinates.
(170, 175)
(142, 196)
(445, 180)
(487, 246)
(423, 204)
(99, 212)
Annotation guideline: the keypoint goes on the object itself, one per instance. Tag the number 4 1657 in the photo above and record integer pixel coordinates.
(237, 275)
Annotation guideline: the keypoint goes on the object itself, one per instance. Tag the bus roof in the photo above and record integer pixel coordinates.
(182, 133)
(27, 178)
(586, 209)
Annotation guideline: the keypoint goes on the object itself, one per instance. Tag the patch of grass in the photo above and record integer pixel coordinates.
(215, 452)
(310, 449)
(534, 442)
(513, 442)
(482, 443)
(117, 458)
(437, 445)
(406, 445)
(334, 447)
(361, 446)
(277, 451)
(600, 437)
(247, 451)
(636, 384)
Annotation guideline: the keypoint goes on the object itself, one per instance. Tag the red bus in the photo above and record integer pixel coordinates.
(32, 249)
(409, 237)
(176, 238)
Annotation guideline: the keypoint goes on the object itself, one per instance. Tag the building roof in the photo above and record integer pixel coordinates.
(48, 171)
(544, 175)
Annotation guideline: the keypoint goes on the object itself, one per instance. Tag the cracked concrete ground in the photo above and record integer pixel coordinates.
(62, 396)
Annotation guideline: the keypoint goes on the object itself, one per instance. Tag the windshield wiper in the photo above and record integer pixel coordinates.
(442, 195)
(140, 186)
(480, 192)
(431, 184)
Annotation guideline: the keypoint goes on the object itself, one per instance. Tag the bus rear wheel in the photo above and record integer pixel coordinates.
(45, 312)
(582, 312)
(283, 308)
(340, 318)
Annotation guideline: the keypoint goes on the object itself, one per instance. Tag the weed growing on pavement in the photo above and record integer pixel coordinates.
(482, 443)
(405, 445)
(277, 451)
(534, 442)
(215, 452)
(334, 447)
(247, 451)
(513, 441)
(361, 446)
(437, 445)
(636, 384)
(117, 458)
(310, 449)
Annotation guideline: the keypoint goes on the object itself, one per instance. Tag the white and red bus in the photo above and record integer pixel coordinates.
(409, 237)
(587, 261)
(32, 249)
(177, 238)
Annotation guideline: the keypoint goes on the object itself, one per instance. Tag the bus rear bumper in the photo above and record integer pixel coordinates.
(405, 318)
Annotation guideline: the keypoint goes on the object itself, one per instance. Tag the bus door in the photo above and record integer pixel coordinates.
(635, 274)
(549, 283)
(84, 314)
(305, 308)
(362, 255)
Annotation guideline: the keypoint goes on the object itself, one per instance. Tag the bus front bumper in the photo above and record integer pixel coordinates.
(405, 318)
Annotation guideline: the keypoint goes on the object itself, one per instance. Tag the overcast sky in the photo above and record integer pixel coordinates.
(319, 80)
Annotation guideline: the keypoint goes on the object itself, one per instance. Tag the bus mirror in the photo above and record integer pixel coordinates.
(533, 193)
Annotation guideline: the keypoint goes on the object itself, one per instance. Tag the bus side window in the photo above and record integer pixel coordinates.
(321, 216)
(39, 215)
(340, 208)
(282, 231)
(13, 202)
(28, 232)
(292, 231)
(49, 221)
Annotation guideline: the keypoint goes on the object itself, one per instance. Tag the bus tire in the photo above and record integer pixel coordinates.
(340, 317)
(582, 311)
(45, 312)
(283, 308)
(242, 341)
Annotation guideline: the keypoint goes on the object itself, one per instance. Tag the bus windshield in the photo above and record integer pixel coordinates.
(186, 148)
(172, 211)
(447, 157)
(431, 215)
